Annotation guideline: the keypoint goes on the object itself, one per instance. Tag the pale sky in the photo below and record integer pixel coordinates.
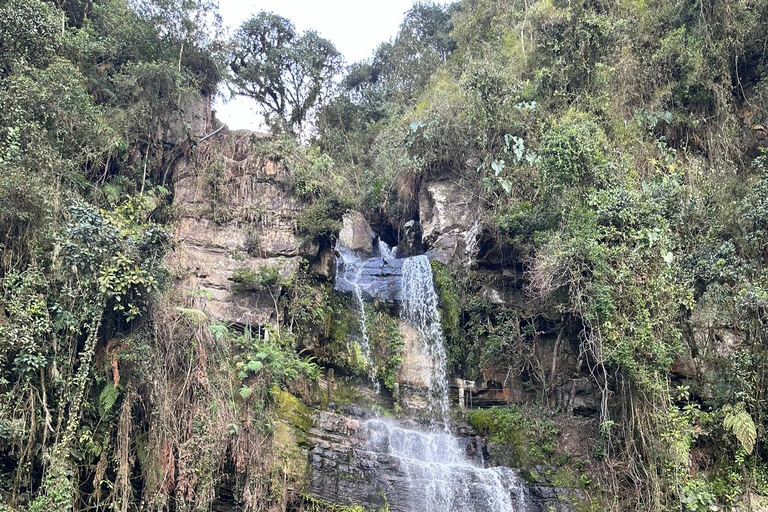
(356, 27)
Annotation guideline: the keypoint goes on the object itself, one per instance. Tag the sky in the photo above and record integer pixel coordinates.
(356, 27)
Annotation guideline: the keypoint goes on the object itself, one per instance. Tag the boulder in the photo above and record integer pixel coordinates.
(356, 234)
(325, 264)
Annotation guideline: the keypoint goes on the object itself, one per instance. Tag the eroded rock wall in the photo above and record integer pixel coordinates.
(236, 217)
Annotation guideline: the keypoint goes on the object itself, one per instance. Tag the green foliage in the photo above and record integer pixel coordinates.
(262, 363)
(450, 303)
(321, 221)
(387, 344)
(30, 30)
(573, 152)
(266, 276)
(92, 98)
(529, 437)
(312, 504)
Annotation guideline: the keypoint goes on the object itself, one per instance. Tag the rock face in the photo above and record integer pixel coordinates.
(450, 222)
(236, 215)
(415, 370)
(377, 277)
(411, 242)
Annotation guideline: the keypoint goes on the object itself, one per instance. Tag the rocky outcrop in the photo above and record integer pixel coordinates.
(411, 240)
(377, 278)
(450, 221)
(356, 234)
(236, 215)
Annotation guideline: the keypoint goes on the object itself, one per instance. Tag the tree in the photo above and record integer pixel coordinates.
(286, 72)
(30, 34)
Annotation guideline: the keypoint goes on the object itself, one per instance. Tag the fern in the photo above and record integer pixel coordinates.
(107, 398)
(740, 423)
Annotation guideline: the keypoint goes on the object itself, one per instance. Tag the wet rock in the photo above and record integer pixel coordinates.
(410, 242)
(377, 278)
(356, 234)
(415, 370)
(352, 463)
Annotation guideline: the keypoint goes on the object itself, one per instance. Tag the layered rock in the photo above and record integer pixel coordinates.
(352, 463)
(236, 215)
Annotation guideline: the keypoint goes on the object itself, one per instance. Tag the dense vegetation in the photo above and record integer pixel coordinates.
(110, 396)
(616, 148)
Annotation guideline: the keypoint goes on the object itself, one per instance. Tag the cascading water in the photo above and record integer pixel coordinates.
(441, 476)
(353, 270)
(420, 308)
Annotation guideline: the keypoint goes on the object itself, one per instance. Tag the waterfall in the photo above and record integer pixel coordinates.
(436, 464)
(420, 307)
(441, 476)
(438, 474)
(353, 270)
(386, 252)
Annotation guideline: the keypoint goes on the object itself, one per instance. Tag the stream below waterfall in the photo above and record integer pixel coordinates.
(435, 464)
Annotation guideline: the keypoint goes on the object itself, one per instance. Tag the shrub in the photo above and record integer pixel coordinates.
(321, 221)
(572, 152)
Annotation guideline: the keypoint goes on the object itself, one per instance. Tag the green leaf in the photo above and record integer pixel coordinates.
(498, 166)
(218, 331)
(107, 398)
(506, 185)
(245, 392)
(254, 366)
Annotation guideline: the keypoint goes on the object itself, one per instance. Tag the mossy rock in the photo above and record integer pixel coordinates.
(312, 504)
(289, 442)
(516, 437)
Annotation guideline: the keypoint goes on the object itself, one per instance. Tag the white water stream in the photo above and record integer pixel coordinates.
(353, 270)
(420, 307)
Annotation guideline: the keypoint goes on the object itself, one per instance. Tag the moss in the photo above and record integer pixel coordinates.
(343, 392)
(312, 504)
(522, 438)
(450, 303)
(386, 343)
(289, 442)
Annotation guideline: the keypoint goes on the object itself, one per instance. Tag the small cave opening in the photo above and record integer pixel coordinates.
(386, 231)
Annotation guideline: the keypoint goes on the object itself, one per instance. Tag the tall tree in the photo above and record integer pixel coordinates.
(286, 72)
